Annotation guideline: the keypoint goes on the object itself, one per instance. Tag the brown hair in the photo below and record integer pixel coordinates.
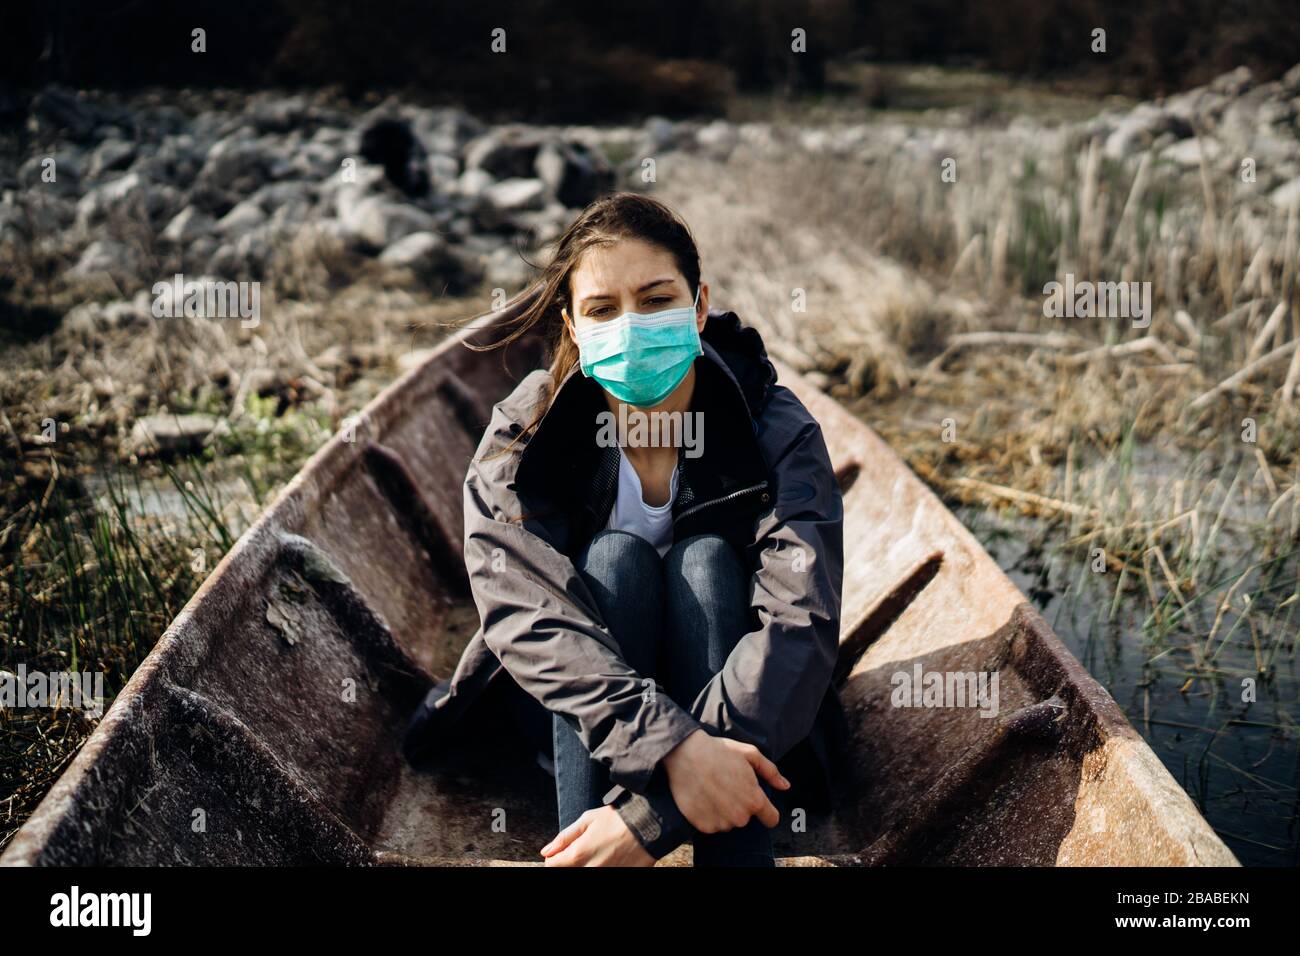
(620, 215)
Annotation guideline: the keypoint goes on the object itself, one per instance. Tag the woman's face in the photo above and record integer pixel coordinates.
(630, 275)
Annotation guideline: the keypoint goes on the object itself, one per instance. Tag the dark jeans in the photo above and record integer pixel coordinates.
(678, 617)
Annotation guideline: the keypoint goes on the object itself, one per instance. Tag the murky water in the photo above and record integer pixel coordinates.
(1238, 759)
(165, 502)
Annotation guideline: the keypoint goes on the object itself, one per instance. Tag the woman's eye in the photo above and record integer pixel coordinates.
(606, 311)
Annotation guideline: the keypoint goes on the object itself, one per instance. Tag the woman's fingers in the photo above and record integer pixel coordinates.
(567, 835)
(572, 856)
(765, 768)
(765, 810)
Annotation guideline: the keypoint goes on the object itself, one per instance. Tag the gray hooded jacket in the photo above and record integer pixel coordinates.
(764, 481)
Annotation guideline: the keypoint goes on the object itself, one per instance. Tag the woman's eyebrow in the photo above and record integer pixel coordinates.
(606, 295)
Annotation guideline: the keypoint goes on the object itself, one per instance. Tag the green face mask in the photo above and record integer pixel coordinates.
(640, 359)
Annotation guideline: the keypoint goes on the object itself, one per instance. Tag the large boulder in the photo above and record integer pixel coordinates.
(507, 152)
(389, 143)
(573, 173)
(379, 221)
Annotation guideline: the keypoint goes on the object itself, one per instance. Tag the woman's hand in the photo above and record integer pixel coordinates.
(597, 838)
(714, 781)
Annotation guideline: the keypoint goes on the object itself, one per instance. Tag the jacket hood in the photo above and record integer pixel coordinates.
(743, 355)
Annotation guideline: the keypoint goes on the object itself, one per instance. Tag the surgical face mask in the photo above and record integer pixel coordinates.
(640, 359)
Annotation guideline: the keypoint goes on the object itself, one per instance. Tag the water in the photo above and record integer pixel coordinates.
(1239, 761)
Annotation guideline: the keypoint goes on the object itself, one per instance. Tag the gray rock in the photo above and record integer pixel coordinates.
(717, 138)
(516, 195)
(56, 110)
(122, 196)
(508, 152)
(1286, 195)
(389, 142)
(236, 165)
(1187, 152)
(661, 135)
(1291, 80)
(506, 269)
(431, 258)
(189, 224)
(243, 217)
(472, 183)
(444, 130)
(1137, 130)
(111, 155)
(277, 113)
(1233, 83)
(443, 170)
(106, 257)
(380, 221)
(278, 194)
(573, 173)
(541, 225)
(419, 249)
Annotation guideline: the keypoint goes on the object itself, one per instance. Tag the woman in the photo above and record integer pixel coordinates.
(673, 607)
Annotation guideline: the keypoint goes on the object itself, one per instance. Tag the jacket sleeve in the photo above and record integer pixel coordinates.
(770, 689)
(541, 622)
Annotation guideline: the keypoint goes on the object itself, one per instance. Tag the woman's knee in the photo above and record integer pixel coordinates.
(704, 561)
(614, 553)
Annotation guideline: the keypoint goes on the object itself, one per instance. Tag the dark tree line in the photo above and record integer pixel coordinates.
(594, 58)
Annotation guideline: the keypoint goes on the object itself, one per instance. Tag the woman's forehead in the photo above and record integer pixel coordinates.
(622, 266)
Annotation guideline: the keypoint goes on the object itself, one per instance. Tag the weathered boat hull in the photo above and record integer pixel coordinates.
(265, 726)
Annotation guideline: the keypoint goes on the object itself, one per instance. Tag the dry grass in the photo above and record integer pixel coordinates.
(924, 309)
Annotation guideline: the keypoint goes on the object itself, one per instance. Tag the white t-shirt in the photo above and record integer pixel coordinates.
(631, 513)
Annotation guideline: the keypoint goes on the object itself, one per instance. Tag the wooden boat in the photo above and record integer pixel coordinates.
(264, 726)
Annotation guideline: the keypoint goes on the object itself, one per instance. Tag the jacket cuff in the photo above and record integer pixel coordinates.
(648, 742)
(652, 817)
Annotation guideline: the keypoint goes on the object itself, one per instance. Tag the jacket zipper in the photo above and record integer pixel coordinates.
(727, 497)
